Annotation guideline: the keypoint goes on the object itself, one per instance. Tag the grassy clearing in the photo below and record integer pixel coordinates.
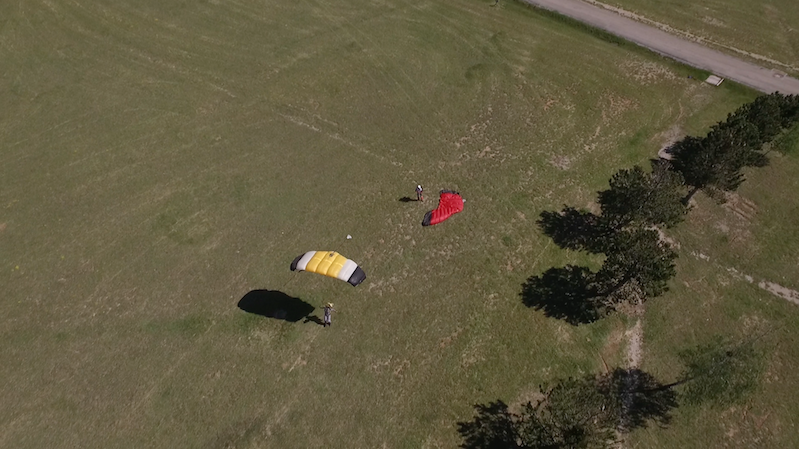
(764, 29)
(160, 160)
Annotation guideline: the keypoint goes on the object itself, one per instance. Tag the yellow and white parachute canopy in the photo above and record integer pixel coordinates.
(329, 263)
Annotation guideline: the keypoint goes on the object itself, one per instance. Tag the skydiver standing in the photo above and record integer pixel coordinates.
(329, 314)
(419, 193)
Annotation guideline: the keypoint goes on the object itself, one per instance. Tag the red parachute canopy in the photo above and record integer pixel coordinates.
(449, 203)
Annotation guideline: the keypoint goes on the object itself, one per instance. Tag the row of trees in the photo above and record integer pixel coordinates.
(715, 162)
(595, 410)
(638, 263)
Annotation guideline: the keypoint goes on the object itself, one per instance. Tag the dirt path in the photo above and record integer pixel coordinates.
(771, 287)
(635, 337)
(635, 348)
(671, 46)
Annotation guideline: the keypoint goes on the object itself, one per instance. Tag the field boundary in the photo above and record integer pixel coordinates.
(682, 50)
(690, 36)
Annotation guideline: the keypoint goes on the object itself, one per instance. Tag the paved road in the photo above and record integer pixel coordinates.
(671, 46)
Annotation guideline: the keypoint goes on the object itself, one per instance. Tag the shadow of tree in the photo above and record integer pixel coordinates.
(275, 304)
(569, 293)
(576, 230)
(493, 427)
(642, 398)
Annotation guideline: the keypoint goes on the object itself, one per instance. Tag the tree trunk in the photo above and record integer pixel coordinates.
(690, 195)
(671, 385)
(618, 286)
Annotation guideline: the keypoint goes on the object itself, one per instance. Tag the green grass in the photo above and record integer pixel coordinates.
(160, 160)
(764, 29)
(788, 142)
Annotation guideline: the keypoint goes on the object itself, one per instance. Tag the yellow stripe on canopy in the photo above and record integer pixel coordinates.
(336, 263)
(329, 263)
(314, 262)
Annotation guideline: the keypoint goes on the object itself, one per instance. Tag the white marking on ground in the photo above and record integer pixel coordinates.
(778, 290)
(634, 355)
(771, 287)
(700, 256)
(336, 136)
(635, 349)
(666, 239)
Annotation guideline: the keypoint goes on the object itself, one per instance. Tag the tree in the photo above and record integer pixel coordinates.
(714, 163)
(720, 373)
(585, 412)
(574, 413)
(591, 411)
(640, 398)
(644, 199)
(790, 111)
(638, 266)
(770, 114)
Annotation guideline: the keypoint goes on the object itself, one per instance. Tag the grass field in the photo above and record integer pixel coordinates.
(162, 159)
(766, 30)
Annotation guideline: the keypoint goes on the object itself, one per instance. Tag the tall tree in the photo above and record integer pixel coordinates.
(770, 114)
(640, 398)
(638, 266)
(790, 111)
(715, 163)
(636, 197)
(574, 413)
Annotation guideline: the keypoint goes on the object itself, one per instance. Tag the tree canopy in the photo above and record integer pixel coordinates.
(638, 266)
(636, 197)
(714, 163)
(592, 411)
(586, 412)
